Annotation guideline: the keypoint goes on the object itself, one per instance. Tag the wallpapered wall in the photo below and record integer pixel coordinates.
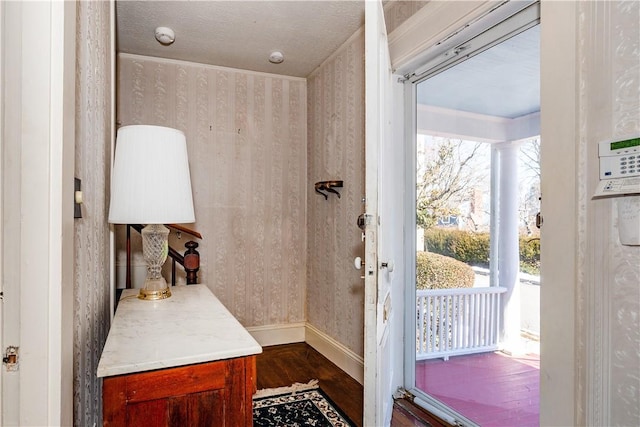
(253, 173)
(335, 137)
(93, 145)
(246, 138)
(609, 288)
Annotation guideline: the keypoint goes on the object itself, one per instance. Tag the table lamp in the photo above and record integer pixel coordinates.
(151, 185)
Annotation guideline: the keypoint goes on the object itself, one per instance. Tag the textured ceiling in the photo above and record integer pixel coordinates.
(503, 81)
(240, 34)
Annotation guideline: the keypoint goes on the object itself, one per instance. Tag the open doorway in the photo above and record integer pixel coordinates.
(475, 357)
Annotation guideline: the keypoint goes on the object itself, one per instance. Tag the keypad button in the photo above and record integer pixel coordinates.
(623, 172)
(623, 163)
(623, 158)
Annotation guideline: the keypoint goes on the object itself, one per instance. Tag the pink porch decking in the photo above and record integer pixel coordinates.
(491, 389)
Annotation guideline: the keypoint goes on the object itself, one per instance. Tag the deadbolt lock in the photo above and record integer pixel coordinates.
(364, 220)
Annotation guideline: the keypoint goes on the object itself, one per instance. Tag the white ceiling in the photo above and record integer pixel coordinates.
(240, 34)
(503, 81)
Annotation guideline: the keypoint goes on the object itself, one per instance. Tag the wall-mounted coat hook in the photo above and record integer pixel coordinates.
(329, 186)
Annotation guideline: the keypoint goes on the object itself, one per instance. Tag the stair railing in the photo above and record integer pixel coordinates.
(190, 261)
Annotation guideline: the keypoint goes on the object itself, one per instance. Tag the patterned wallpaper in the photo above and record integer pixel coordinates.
(246, 138)
(609, 288)
(335, 137)
(93, 144)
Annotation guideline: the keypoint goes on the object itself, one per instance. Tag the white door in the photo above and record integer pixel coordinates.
(38, 110)
(383, 232)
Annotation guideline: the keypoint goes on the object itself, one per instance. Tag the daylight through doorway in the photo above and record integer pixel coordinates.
(477, 254)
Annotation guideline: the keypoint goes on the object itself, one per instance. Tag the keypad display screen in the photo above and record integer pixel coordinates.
(627, 143)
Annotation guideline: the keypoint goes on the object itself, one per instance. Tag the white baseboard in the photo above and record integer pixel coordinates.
(278, 334)
(337, 353)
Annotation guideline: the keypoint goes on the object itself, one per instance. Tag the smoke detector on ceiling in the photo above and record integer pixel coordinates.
(165, 35)
(276, 57)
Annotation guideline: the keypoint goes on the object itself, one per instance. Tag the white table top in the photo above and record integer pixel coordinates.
(192, 326)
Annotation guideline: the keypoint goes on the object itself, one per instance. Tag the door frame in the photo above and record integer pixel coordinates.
(560, 402)
(2, 86)
(38, 273)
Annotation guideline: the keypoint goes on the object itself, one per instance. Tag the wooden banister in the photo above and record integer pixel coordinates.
(184, 229)
(190, 261)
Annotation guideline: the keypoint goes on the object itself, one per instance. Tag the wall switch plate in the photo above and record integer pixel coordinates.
(77, 198)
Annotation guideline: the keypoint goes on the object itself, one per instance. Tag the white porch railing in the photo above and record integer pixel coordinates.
(453, 322)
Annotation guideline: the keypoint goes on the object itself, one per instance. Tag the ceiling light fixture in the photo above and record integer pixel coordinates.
(276, 57)
(165, 35)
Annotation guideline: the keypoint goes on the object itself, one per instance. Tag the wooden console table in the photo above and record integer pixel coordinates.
(176, 362)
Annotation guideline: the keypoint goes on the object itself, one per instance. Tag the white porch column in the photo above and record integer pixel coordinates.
(508, 254)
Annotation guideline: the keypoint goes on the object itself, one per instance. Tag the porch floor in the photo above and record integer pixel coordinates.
(491, 389)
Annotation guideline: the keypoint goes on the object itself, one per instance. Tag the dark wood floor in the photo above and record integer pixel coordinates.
(283, 365)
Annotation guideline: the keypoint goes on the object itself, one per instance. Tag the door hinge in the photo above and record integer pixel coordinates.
(10, 358)
(403, 393)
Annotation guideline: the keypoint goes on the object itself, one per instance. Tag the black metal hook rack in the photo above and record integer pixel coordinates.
(325, 187)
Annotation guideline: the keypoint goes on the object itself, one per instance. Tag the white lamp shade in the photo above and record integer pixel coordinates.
(150, 182)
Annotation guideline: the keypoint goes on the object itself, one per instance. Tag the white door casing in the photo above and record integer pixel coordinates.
(38, 128)
(2, 85)
(10, 206)
(384, 237)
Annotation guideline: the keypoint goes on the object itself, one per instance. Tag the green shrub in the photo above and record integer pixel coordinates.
(470, 248)
(530, 255)
(434, 271)
(473, 248)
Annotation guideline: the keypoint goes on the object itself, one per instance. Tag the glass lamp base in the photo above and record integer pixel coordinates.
(155, 290)
(155, 248)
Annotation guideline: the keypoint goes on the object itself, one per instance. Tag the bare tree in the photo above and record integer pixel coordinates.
(530, 152)
(450, 171)
(529, 205)
(446, 173)
(530, 185)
